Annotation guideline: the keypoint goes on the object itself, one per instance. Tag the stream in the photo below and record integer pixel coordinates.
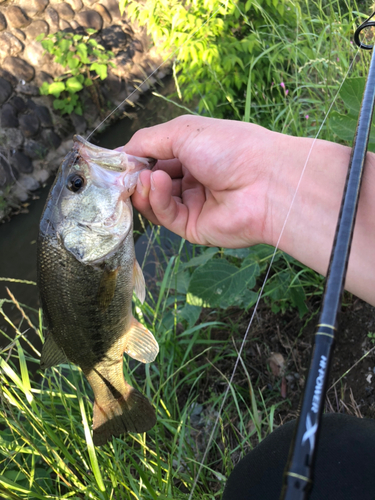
(18, 236)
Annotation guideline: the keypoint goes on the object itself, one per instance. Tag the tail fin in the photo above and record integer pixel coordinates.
(131, 412)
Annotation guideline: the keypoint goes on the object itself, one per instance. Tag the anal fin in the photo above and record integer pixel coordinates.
(140, 344)
(52, 354)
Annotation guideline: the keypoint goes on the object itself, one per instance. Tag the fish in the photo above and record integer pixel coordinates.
(86, 274)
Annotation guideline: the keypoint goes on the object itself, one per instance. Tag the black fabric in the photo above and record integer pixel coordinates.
(345, 464)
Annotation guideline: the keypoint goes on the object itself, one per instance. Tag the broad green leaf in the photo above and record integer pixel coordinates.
(100, 69)
(180, 281)
(219, 282)
(73, 62)
(351, 93)
(73, 85)
(68, 109)
(239, 253)
(343, 125)
(189, 313)
(56, 88)
(298, 297)
(65, 45)
(88, 82)
(201, 259)
(59, 103)
(44, 88)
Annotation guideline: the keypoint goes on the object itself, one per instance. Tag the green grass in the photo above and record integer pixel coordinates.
(46, 448)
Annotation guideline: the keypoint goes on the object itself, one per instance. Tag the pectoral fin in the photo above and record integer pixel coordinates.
(139, 282)
(52, 355)
(140, 344)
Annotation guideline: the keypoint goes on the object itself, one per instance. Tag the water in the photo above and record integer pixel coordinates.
(18, 236)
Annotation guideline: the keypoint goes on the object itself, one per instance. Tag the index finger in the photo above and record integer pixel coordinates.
(164, 141)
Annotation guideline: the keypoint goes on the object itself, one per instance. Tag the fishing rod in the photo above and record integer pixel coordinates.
(298, 476)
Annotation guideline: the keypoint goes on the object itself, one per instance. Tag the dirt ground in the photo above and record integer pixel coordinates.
(277, 355)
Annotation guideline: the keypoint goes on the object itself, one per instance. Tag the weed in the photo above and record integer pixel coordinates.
(84, 61)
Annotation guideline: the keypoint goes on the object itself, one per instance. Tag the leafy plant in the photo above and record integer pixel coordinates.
(220, 46)
(84, 60)
(222, 278)
(344, 124)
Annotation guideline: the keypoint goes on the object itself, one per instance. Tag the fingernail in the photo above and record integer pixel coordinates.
(139, 186)
(152, 182)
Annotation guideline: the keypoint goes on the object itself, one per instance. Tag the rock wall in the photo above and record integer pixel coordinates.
(33, 136)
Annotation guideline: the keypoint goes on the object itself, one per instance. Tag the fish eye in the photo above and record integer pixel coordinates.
(75, 182)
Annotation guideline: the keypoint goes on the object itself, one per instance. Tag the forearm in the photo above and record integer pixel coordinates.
(309, 232)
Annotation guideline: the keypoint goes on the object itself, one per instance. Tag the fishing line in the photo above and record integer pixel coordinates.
(155, 70)
(264, 282)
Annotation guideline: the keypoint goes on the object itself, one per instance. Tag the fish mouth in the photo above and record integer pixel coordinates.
(110, 159)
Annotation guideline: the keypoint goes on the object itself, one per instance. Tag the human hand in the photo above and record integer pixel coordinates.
(211, 183)
(231, 184)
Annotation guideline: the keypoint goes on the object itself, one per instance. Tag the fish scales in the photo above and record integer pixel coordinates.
(86, 275)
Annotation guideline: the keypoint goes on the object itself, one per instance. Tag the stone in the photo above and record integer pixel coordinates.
(113, 37)
(65, 26)
(18, 103)
(42, 112)
(28, 183)
(5, 90)
(29, 124)
(35, 150)
(31, 105)
(16, 17)
(10, 45)
(36, 28)
(79, 123)
(65, 11)
(42, 77)
(90, 111)
(106, 16)
(19, 34)
(34, 7)
(3, 22)
(9, 116)
(76, 5)
(19, 68)
(90, 19)
(51, 139)
(112, 8)
(12, 138)
(35, 54)
(27, 89)
(8, 174)
(89, 3)
(41, 175)
(114, 84)
(52, 18)
(8, 77)
(22, 163)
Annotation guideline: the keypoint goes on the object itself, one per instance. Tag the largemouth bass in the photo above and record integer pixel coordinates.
(87, 271)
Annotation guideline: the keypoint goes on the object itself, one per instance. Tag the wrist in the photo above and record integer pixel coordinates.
(309, 231)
